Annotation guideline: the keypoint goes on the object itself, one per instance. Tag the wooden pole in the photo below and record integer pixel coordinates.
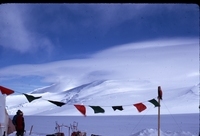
(159, 117)
(159, 98)
(31, 130)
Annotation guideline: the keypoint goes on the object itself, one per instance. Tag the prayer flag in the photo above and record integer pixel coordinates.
(5, 90)
(97, 109)
(57, 103)
(30, 98)
(117, 108)
(140, 106)
(81, 108)
(153, 101)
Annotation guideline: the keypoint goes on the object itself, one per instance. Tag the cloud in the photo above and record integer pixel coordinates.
(151, 44)
(28, 28)
(163, 65)
(15, 33)
(32, 27)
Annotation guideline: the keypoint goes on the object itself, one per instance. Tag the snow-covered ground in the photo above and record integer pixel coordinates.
(137, 125)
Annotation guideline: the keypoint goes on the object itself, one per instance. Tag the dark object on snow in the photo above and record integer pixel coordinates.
(59, 134)
(50, 135)
(15, 117)
(78, 133)
(20, 125)
(56, 134)
(4, 133)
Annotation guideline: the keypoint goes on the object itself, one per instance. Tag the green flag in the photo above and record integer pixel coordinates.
(97, 109)
(117, 108)
(154, 102)
(30, 98)
(57, 103)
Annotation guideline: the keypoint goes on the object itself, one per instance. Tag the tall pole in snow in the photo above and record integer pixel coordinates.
(159, 98)
(159, 117)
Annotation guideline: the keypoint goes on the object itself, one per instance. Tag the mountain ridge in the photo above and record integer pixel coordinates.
(103, 93)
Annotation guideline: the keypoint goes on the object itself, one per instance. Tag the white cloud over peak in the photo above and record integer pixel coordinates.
(164, 65)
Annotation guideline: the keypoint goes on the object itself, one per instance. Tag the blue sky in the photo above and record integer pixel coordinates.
(45, 35)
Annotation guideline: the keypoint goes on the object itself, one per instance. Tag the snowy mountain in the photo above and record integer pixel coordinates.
(106, 93)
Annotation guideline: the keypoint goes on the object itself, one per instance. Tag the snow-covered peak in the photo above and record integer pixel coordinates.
(106, 93)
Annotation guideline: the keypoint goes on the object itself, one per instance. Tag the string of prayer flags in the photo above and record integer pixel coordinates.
(5, 90)
(97, 109)
(117, 108)
(140, 106)
(81, 108)
(31, 98)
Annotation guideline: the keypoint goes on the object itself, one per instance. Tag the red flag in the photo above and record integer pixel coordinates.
(81, 108)
(6, 90)
(140, 106)
(159, 93)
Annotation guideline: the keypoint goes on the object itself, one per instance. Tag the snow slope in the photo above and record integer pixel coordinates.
(106, 93)
(136, 125)
(154, 132)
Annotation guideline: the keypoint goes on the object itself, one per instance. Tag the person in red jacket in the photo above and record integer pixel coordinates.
(20, 125)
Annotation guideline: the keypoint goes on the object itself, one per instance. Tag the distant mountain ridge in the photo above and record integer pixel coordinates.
(104, 93)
